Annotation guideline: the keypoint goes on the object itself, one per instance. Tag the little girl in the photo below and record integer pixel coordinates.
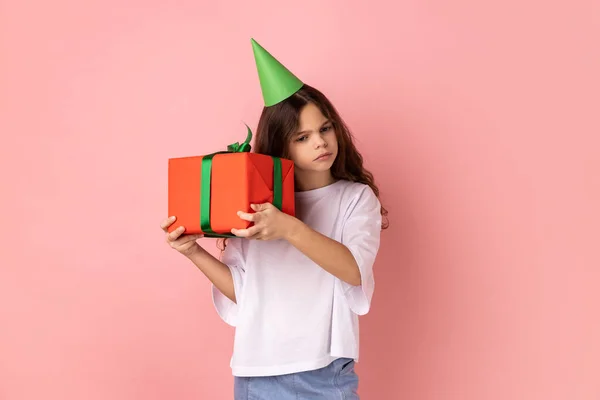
(294, 286)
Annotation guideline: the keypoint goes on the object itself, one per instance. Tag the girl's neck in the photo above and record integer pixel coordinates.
(313, 181)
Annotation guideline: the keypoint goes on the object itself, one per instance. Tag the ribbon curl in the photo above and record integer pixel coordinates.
(241, 148)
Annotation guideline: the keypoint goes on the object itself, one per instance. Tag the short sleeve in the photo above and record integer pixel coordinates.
(361, 234)
(234, 257)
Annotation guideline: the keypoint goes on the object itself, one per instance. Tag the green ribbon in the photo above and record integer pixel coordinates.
(277, 183)
(205, 190)
(241, 148)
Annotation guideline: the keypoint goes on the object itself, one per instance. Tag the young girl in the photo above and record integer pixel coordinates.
(294, 286)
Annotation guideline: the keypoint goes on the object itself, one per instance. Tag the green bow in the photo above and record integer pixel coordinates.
(205, 173)
(241, 148)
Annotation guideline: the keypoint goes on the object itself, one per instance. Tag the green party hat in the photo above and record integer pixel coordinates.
(276, 81)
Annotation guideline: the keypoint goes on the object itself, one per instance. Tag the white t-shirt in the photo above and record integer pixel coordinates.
(292, 315)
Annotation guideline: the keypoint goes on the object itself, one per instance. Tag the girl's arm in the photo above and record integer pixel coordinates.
(329, 254)
(216, 272)
(332, 256)
(350, 261)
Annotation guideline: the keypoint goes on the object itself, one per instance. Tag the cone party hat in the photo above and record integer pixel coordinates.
(276, 81)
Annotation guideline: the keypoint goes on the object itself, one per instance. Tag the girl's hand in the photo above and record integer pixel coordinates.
(185, 244)
(269, 223)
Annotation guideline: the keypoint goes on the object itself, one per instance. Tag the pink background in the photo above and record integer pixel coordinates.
(479, 120)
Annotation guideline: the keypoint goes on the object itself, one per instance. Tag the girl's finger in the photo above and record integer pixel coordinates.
(245, 233)
(260, 207)
(184, 240)
(247, 216)
(190, 238)
(238, 232)
(171, 237)
(167, 222)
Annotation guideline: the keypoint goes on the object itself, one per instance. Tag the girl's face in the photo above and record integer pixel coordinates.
(314, 147)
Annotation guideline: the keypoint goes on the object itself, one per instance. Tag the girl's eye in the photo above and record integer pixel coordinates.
(301, 139)
(325, 128)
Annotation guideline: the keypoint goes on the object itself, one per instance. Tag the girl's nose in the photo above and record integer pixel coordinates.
(320, 142)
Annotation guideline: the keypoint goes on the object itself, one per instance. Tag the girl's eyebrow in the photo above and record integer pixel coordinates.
(323, 124)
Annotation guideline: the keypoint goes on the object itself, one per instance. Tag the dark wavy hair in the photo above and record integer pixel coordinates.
(279, 122)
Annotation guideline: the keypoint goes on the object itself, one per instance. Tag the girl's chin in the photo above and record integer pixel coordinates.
(313, 170)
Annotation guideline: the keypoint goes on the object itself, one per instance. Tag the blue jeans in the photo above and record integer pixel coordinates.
(337, 381)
